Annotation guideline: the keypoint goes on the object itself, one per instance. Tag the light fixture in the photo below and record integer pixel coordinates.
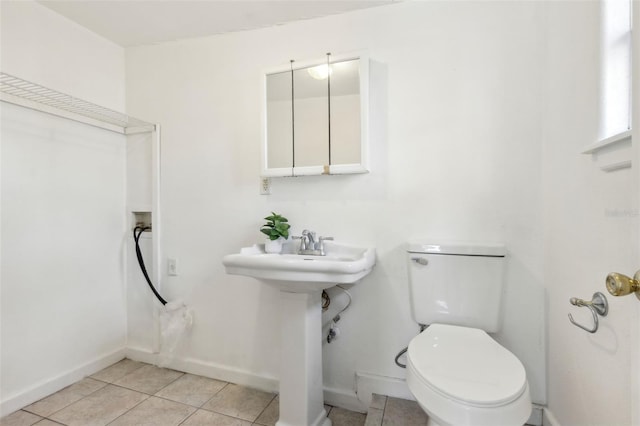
(320, 72)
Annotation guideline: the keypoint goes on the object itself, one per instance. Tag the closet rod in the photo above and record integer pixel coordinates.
(30, 95)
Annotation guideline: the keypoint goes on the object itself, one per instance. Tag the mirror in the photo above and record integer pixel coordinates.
(345, 113)
(280, 119)
(315, 119)
(311, 116)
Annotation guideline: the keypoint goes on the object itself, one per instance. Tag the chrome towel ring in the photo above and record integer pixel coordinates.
(598, 306)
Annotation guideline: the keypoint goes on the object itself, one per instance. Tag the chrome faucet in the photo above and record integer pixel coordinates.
(310, 238)
(309, 245)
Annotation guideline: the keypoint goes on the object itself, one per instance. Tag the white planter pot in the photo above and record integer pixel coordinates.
(273, 246)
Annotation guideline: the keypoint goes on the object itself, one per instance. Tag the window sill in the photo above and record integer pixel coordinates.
(613, 153)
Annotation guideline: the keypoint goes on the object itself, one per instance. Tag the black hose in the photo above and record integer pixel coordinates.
(404, 351)
(136, 237)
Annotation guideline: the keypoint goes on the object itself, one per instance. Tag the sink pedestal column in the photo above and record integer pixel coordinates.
(301, 389)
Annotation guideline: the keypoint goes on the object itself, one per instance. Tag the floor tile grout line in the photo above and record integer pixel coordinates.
(180, 402)
(149, 396)
(142, 364)
(264, 409)
(130, 389)
(234, 417)
(182, 373)
(71, 403)
(189, 416)
(173, 381)
(146, 393)
(212, 396)
(51, 420)
(384, 408)
(215, 412)
(195, 375)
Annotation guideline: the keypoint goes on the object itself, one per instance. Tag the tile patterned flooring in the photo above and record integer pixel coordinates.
(388, 411)
(131, 393)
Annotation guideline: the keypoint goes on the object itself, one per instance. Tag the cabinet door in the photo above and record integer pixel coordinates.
(279, 124)
(311, 119)
(345, 114)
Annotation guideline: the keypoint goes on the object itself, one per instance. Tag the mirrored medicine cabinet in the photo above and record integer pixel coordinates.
(315, 117)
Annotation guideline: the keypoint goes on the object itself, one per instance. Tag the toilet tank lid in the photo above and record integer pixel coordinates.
(459, 248)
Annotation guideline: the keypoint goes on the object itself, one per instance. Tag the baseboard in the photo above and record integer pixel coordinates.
(49, 386)
(344, 399)
(536, 417)
(548, 419)
(209, 369)
(142, 355)
(367, 384)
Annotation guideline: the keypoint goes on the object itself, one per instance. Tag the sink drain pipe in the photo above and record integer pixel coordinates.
(334, 331)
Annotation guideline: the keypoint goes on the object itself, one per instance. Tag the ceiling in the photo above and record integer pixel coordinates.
(136, 22)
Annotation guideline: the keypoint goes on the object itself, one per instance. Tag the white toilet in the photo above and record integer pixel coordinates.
(458, 374)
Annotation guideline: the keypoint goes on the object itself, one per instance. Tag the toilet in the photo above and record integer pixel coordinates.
(457, 372)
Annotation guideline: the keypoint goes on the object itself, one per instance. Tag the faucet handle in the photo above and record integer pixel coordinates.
(303, 241)
(320, 244)
(310, 236)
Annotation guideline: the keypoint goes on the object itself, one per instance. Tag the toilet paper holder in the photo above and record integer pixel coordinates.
(597, 305)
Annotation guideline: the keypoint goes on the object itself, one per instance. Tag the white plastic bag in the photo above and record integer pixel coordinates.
(176, 320)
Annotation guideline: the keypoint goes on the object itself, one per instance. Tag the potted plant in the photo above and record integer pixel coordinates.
(277, 231)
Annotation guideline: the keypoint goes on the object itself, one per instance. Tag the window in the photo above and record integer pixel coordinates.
(615, 69)
(613, 148)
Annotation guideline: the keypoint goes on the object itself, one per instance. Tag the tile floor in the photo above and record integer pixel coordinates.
(388, 411)
(131, 393)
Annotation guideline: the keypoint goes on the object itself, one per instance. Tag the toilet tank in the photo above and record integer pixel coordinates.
(456, 283)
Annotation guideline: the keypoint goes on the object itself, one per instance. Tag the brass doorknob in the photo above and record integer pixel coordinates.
(621, 285)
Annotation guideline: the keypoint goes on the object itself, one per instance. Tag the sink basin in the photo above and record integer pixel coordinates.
(343, 264)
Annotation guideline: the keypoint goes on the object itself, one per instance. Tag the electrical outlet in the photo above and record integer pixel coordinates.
(265, 186)
(172, 267)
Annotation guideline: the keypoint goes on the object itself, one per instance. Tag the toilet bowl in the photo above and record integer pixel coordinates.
(461, 376)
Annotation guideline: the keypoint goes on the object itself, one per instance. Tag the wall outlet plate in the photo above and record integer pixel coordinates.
(172, 267)
(265, 186)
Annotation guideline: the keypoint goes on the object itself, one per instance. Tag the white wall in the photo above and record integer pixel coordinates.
(63, 195)
(456, 98)
(591, 229)
(48, 49)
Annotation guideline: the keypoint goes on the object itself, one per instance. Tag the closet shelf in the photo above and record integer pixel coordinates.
(21, 92)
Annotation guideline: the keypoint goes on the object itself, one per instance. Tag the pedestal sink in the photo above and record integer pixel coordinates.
(301, 279)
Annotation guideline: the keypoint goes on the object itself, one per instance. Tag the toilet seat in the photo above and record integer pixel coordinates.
(460, 375)
(467, 365)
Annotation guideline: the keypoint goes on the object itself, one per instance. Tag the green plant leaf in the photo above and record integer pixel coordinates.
(276, 226)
